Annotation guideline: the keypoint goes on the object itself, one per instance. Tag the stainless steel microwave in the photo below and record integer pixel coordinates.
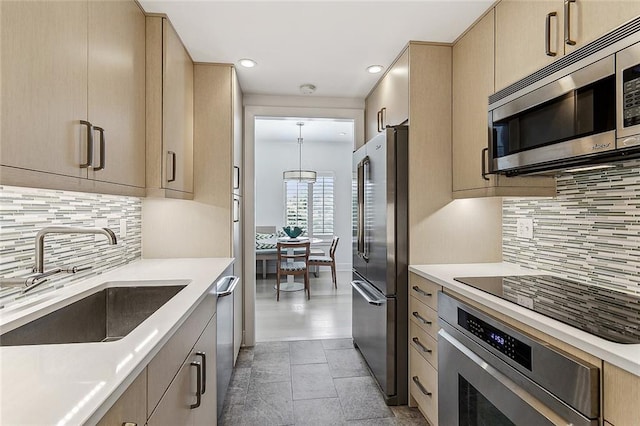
(587, 113)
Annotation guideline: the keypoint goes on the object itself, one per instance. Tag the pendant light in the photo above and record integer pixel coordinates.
(299, 175)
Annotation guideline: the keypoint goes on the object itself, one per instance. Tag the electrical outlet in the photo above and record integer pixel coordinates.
(123, 228)
(101, 223)
(524, 228)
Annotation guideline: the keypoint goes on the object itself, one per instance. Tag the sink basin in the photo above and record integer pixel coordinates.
(104, 316)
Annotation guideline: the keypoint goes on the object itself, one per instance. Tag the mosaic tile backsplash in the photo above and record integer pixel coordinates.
(590, 232)
(24, 211)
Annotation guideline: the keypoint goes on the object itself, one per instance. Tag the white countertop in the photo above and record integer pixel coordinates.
(624, 356)
(76, 383)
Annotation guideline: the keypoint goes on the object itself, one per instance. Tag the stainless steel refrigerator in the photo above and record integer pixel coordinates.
(380, 258)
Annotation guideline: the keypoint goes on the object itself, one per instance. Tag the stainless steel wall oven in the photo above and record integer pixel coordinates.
(492, 374)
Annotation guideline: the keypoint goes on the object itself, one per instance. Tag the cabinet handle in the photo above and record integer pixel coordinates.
(89, 144)
(424, 321)
(416, 380)
(567, 22)
(236, 210)
(421, 346)
(485, 151)
(129, 424)
(547, 35)
(236, 177)
(421, 291)
(173, 166)
(203, 355)
(102, 149)
(383, 112)
(378, 121)
(198, 384)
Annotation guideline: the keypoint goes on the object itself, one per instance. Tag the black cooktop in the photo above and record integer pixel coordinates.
(604, 312)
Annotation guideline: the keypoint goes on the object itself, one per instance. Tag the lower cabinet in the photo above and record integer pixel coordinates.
(191, 397)
(621, 393)
(423, 346)
(131, 407)
(178, 386)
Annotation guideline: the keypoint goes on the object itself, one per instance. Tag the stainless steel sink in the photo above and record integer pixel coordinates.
(105, 316)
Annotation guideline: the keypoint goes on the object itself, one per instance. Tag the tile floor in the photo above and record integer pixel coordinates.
(327, 315)
(308, 382)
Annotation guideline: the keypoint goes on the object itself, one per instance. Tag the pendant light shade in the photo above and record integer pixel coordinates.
(299, 175)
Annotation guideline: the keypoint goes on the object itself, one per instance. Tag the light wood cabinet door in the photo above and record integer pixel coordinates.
(473, 74)
(44, 86)
(131, 407)
(238, 121)
(177, 113)
(591, 19)
(520, 38)
(388, 104)
(621, 395)
(117, 90)
(207, 413)
(175, 406)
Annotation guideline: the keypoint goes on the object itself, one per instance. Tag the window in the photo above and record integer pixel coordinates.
(311, 204)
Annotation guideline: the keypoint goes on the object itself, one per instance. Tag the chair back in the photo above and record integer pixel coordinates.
(332, 249)
(300, 251)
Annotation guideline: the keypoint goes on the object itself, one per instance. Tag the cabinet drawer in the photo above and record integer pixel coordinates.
(131, 406)
(175, 406)
(164, 366)
(424, 386)
(424, 290)
(425, 317)
(424, 344)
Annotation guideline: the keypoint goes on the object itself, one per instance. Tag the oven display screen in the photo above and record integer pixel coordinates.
(498, 340)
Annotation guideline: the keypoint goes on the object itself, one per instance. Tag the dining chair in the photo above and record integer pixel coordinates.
(327, 260)
(293, 259)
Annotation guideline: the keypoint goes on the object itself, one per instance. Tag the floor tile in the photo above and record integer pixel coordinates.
(331, 344)
(238, 386)
(408, 416)
(276, 369)
(268, 404)
(312, 381)
(361, 398)
(266, 347)
(318, 412)
(307, 352)
(245, 358)
(346, 363)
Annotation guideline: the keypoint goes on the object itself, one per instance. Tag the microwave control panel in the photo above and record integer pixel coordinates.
(631, 96)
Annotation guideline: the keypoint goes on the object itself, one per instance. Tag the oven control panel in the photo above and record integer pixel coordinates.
(497, 339)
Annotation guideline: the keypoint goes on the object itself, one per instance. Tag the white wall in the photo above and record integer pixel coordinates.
(274, 157)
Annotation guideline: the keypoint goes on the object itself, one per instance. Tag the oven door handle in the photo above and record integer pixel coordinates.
(575, 419)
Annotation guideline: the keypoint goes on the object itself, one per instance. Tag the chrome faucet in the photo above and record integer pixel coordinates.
(39, 266)
(39, 276)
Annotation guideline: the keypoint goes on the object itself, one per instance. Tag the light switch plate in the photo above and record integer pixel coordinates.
(123, 228)
(524, 228)
(101, 223)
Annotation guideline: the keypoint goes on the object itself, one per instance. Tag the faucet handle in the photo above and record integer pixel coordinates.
(75, 269)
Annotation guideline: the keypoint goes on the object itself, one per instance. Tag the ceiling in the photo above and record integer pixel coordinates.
(325, 43)
(315, 130)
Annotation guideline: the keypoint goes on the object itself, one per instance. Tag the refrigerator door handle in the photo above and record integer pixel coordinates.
(366, 165)
(369, 293)
(360, 218)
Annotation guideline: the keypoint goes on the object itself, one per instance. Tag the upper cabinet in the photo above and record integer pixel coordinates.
(169, 112)
(73, 100)
(473, 73)
(388, 103)
(531, 34)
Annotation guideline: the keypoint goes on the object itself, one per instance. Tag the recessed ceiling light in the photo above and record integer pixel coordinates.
(374, 69)
(343, 133)
(307, 89)
(247, 63)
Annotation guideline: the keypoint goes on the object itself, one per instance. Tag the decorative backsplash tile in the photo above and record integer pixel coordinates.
(589, 232)
(24, 211)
